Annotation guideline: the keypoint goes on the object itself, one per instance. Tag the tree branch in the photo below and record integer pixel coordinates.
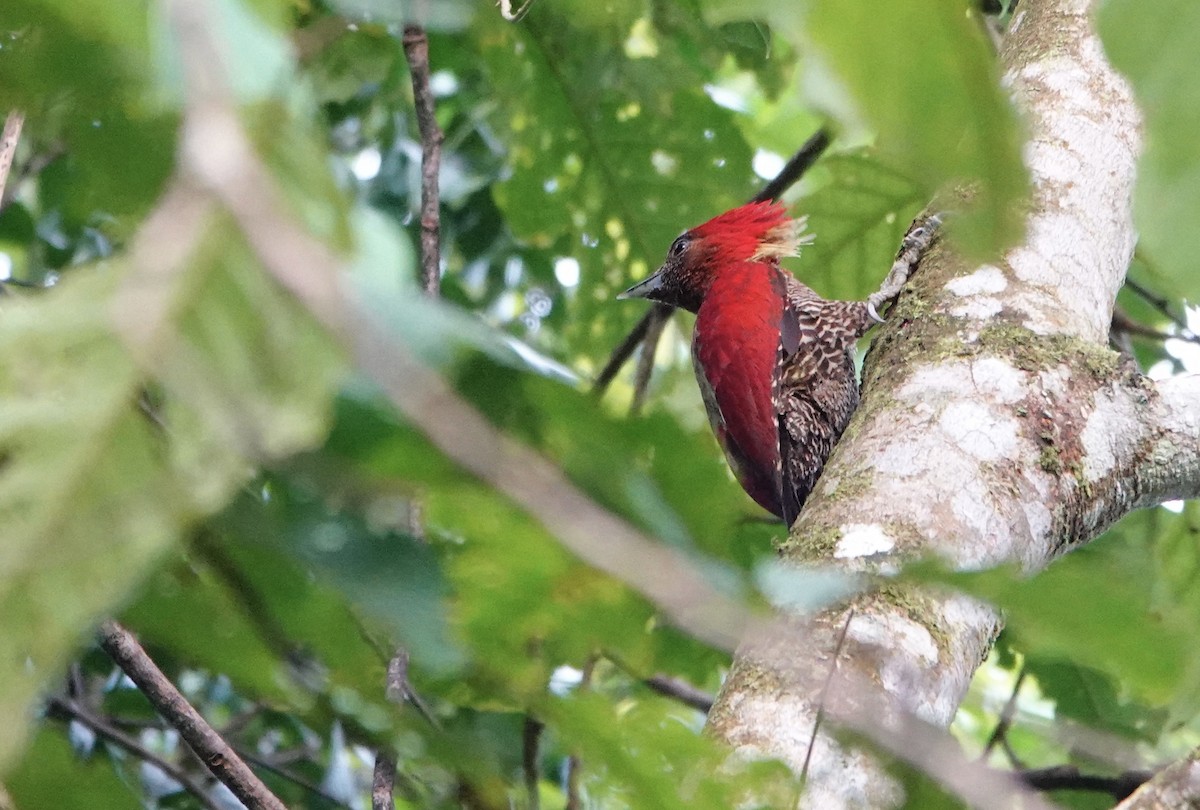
(1068, 777)
(383, 782)
(680, 690)
(645, 366)
(1006, 426)
(1000, 733)
(657, 313)
(531, 738)
(207, 744)
(416, 50)
(8, 145)
(796, 167)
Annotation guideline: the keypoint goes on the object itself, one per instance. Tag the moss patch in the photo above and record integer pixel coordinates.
(811, 544)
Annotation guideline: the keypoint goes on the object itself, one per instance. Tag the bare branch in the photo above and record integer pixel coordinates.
(531, 738)
(1121, 322)
(999, 734)
(207, 744)
(8, 145)
(625, 349)
(1068, 777)
(383, 782)
(1159, 302)
(416, 50)
(645, 366)
(681, 690)
(796, 167)
(103, 729)
(574, 802)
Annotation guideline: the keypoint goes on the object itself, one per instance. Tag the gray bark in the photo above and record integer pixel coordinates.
(996, 426)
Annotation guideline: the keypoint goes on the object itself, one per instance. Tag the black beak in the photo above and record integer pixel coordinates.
(645, 288)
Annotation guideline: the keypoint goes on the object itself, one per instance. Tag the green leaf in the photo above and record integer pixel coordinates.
(804, 590)
(102, 469)
(392, 576)
(82, 77)
(50, 769)
(646, 754)
(1093, 698)
(245, 609)
(1093, 607)
(1154, 46)
(83, 496)
(880, 64)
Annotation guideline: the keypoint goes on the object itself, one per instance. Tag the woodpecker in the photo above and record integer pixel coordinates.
(774, 360)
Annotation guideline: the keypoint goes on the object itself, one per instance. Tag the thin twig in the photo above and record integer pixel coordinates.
(1006, 718)
(283, 773)
(1159, 302)
(103, 729)
(1123, 323)
(833, 665)
(574, 802)
(400, 688)
(416, 50)
(507, 12)
(626, 348)
(208, 745)
(531, 739)
(33, 165)
(8, 145)
(682, 691)
(795, 168)
(383, 780)
(645, 366)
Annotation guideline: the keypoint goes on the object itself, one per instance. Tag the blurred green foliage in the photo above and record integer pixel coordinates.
(1152, 51)
(274, 532)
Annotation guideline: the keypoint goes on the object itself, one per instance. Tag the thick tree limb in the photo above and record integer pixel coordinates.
(213, 751)
(992, 393)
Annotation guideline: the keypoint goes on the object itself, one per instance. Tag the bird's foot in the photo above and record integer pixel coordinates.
(920, 236)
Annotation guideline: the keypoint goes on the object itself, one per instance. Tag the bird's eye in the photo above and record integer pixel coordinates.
(678, 247)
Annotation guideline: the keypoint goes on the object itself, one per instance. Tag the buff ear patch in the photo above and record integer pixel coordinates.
(785, 239)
